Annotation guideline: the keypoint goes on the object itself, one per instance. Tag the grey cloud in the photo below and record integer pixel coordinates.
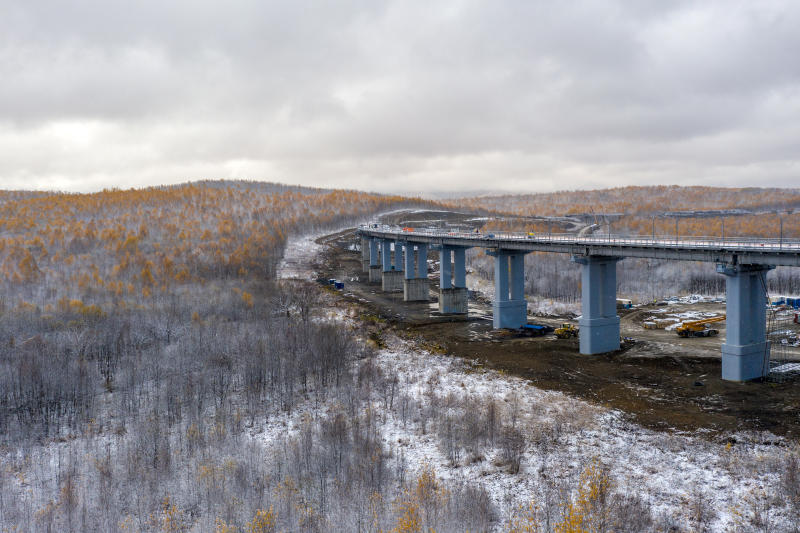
(385, 95)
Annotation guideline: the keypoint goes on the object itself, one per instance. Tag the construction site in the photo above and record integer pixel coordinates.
(665, 375)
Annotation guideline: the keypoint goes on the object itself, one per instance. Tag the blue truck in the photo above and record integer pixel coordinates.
(536, 330)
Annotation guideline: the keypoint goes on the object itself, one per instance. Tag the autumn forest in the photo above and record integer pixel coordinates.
(150, 361)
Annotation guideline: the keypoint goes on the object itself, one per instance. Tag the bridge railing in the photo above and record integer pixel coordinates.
(687, 241)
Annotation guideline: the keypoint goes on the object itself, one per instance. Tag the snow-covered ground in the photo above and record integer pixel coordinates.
(665, 468)
(298, 258)
(297, 261)
(670, 470)
(694, 299)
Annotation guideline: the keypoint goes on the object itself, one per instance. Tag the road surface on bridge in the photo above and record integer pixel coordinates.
(751, 251)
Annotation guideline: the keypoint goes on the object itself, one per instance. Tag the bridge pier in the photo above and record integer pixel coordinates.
(415, 284)
(453, 293)
(397, 258)
(374, 261)
(509, 308)
(599, 323)
(392, 276)
(365, 262)
(745, 353)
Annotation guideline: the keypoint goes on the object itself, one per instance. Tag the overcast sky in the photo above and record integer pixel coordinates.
(405, 96)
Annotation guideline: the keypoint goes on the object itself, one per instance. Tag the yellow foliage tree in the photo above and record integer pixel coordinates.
(262, 522)
(421, 504)
(589, 511)
(172, 520)
(247, 298)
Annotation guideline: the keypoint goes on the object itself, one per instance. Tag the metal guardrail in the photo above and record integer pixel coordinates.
(744, 244)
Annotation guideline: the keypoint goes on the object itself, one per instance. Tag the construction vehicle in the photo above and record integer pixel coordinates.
(535, 330)
(624, 303)
(566, 331)
(699, 328)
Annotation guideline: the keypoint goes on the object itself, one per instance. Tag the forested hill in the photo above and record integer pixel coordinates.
(128, 245)
(641, 200)
(143, 342)
(636, 210)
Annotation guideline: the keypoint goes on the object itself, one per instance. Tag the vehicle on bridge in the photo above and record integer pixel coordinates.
(699, 328)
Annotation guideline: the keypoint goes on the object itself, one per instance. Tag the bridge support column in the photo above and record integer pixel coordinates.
(415, 284)
(745, 354)
(386, 254)
(392, 276)
(510, 310)
(452, 281)
(365, 254)
(599, 323)
(422, 261)
(392, 280)
(408, 261)
(397, 263)
(445, 268)
(374, 262)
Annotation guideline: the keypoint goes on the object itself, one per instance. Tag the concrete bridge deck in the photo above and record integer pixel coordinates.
(750, 251)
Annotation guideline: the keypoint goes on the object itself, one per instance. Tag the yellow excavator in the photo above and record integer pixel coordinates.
(566, 331)
(699, 328)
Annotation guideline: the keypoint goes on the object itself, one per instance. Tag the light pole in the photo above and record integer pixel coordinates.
(781, 242)
(723, 230)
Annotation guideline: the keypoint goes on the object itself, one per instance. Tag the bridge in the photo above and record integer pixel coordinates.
(388, 254)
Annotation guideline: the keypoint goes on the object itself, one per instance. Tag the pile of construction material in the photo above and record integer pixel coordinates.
(658, 323)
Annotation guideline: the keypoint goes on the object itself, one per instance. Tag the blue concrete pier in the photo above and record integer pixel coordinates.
(408, 261)
(386, 255)
(453, 295)
(415, 284)
(599, 323)
(392, 276)
(509, 309)
(374, 261)
(745, 353)
(422, 261)
(365, 253)
(397, 262)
